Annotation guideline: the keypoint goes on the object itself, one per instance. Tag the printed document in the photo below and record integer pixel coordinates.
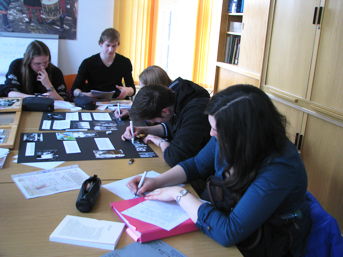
(48, 182)
(166, 215)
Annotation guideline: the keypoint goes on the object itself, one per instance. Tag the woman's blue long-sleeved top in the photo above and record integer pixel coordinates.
(279, 188)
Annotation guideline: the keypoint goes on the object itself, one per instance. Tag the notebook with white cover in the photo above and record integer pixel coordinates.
(88, 232)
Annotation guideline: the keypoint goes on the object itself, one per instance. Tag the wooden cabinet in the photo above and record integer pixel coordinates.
(248, 66)
(302, 73)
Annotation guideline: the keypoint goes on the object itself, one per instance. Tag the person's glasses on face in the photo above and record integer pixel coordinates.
(40, 64)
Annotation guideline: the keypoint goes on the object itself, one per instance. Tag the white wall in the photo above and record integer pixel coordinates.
(93, 18)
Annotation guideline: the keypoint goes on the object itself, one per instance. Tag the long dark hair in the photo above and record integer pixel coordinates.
(249, 129)
(35, 48)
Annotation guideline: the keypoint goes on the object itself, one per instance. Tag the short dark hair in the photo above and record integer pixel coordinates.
(110, 34)
(149, 102)
(249, 130)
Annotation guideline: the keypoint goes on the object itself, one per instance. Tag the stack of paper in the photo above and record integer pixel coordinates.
(3, 154)
(88, 232)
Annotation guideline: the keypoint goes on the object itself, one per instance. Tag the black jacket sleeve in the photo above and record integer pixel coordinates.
(189, 133)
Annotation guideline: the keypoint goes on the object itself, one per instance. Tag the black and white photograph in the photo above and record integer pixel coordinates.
(105, 125)
(33, 137)
(47, 155)
(103, 154)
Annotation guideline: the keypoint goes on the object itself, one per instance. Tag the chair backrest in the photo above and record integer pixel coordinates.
(69, 80)
(325, 239)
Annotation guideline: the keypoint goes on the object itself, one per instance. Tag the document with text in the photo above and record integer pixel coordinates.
(48, 182)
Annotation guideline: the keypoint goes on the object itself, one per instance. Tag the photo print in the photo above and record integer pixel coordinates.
(33, 137)
(103, 154)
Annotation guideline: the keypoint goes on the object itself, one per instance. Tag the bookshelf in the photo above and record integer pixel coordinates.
(241, 42)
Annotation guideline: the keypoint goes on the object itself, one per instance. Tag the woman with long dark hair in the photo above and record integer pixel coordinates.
(256, 181)
(35, 74)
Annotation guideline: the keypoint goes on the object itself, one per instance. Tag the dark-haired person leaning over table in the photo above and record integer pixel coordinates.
(35, 74)
(250, 160)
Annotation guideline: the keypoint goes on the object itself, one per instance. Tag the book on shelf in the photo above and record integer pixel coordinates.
(236, 6)
(143, 231)
(88, 232)
(232, 49)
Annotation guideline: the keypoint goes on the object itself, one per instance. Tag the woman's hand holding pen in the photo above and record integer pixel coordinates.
(148, 185)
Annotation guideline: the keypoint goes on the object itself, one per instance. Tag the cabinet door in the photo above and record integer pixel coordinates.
(294, 120)
(322, 155)
(255, 19)
(328, 76)
(292, 45)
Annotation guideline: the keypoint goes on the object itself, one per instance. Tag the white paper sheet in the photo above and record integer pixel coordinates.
(61, 124)
(30, 149)
(46, 124)
(120, 187)
(72, 116)
(166, 215)
(86, 116)
(43, 165)
(104, 143)
(47, 182)
(59, 104)
(101, 116)
(71, 147)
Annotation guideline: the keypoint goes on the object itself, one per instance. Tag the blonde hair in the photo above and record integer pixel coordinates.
(154, 75)
(34, 49)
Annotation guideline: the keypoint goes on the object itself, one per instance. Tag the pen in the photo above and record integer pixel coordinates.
(132, 132)
(118, 109)
(140, 184)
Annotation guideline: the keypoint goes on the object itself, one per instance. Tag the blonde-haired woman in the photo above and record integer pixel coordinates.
(35, 75)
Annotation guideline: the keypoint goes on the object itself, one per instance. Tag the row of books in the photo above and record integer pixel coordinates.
(232, 49)
(236, 6)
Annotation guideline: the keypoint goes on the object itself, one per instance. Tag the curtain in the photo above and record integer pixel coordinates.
(135, 20)
(201, 46)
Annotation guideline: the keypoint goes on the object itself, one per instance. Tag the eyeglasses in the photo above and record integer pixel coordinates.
(37, 64)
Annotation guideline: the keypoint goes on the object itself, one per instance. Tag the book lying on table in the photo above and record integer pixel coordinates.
(148, 220)
(88, 232)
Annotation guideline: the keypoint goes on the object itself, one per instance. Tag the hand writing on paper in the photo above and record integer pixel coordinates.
(128, 134)
(149, 185)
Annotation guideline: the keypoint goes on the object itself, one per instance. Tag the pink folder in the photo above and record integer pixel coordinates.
(141, 231)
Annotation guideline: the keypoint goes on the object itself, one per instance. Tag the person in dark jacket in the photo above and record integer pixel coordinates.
(176, 117)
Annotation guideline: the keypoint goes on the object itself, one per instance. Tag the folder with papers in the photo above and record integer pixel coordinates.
(141, 231)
